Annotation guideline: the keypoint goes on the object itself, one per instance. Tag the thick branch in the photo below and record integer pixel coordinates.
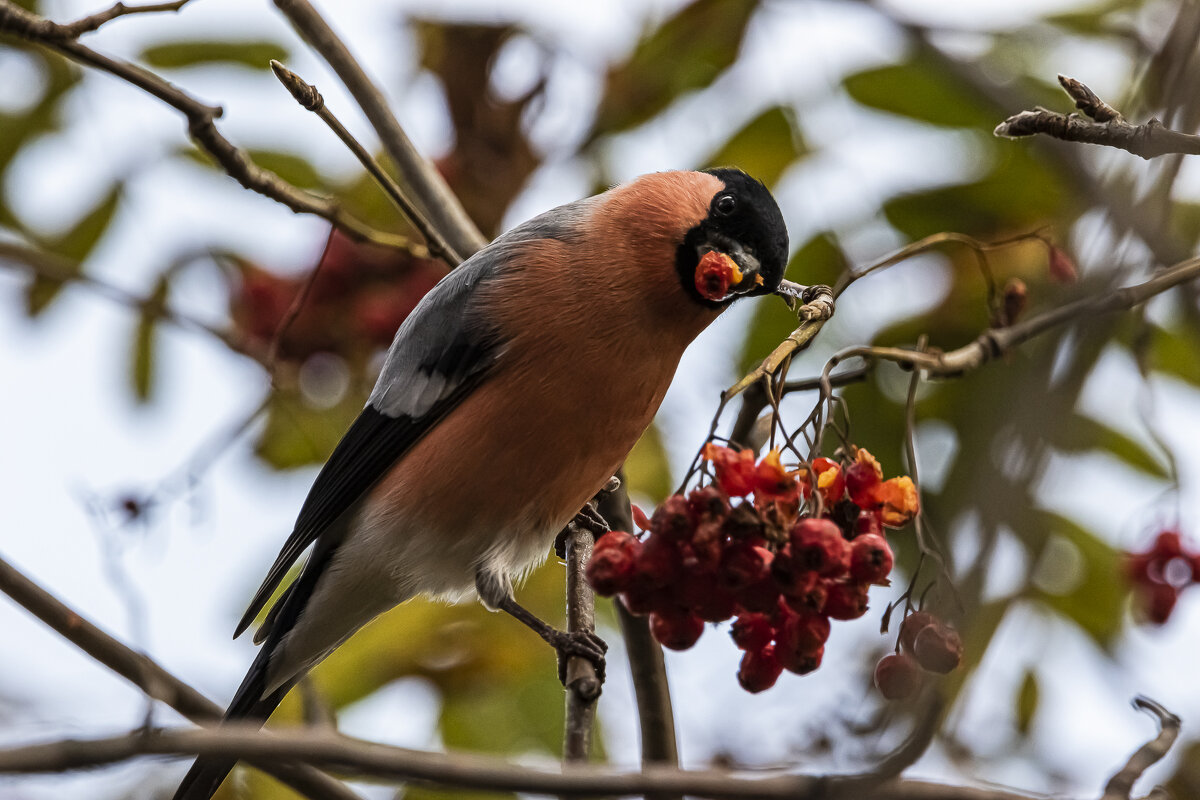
(201, 126)
(1104, 126)
(430, 190)
(147, 675)
(364, 759)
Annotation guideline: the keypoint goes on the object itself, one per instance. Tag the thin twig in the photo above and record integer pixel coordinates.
(1104, 126)
(45, 29)
(308, 97)
(430, 190)
(201, 121)
(1120, 786)
(56, 268)
(152, 679)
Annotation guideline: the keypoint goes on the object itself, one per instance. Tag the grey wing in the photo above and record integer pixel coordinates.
(440, 354)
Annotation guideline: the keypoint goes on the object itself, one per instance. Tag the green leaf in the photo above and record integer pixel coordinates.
(297, 434)
(647, 468)
(1081, 434)
(920, 88)
(1093, 20)
(1027, 702)
(1018, 194)
(820, 260)
(145, 339)
(686, 52)
(1176, 351)
(1078, 575)
(75, 245)
(254, 54)
(764, 148)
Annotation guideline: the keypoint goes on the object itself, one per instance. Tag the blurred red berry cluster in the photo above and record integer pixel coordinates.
(1160, 573)
(361, 294)
(927, 644)
(750, 546)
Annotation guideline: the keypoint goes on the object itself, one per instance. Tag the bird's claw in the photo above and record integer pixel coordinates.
(584, 644)
(589, 519)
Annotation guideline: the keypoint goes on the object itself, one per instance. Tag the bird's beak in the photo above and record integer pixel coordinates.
(751, 273)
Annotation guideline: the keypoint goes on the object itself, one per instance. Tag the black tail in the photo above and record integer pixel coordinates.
(248, 705)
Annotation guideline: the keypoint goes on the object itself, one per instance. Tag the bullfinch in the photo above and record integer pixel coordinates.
(508, 398)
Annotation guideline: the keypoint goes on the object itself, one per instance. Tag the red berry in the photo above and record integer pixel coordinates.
(800, 663)
(1167, 545)
(743, 565)
(701, 594)
(818, 545)
(861, 480)
(870, 558)
(659, 563)
(640, 598)
(912, 625)
(672, 519)
(867, 522)
(846, 600)
(897, 676)
(675, 629)
(804, 632)
(743, 524)
(808, 594)
(611, 567)
(639, 518)
(759, 669)
(707, 504)
(831, 481)
(760, 598)
(938, 648)
(734, 468)
(752, 631)
(1157, 601)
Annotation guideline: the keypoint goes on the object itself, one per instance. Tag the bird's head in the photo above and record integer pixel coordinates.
(743, 222)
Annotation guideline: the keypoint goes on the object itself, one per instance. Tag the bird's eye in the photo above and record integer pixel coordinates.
(726, 204)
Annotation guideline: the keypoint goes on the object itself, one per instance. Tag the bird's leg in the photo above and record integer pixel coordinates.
(588, 518)
(496, 592)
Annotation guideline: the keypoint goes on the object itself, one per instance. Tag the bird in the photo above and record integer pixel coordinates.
(509, 396)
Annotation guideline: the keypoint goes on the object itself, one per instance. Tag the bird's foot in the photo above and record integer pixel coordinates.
(582, 644)
(588, 518)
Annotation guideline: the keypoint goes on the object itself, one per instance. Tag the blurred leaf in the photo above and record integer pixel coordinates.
(255, 54)
(1027, 702)
(764, 148)
(920, 88)
(296, 434)
(820, 260)
(144, 339)
(647, 468)
(1176, 351)
(75, 245)
(1081, 434)
(1095, 585)
(1018, 194)
(686, 52)
(1093, 20)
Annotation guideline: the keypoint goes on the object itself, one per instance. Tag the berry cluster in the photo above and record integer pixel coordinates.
(1160, 573)
(926, 645)
(783, 551)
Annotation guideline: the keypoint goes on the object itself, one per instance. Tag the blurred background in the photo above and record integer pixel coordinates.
(152, 465)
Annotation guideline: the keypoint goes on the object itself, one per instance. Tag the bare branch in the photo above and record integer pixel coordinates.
(201, 120)
(1120, 786)
(363, 759)
(309, 98)
(1105, 126)
(143, 672)
(432, 194)
(45, 29)
(581, 681)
